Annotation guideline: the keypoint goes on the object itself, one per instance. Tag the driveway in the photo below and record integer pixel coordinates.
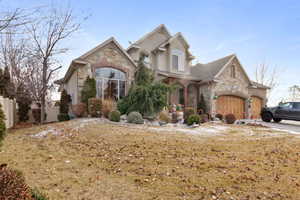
(290, 126)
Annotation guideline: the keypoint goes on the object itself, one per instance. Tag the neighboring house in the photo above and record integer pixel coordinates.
(224, 83)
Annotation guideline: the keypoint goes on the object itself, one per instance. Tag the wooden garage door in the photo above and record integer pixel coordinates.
(256, 106)
(231, 104)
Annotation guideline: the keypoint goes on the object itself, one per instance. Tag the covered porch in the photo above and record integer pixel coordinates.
(186, 92)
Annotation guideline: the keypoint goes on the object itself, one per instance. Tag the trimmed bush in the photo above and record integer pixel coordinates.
(174, 117)
(89, 90)
(230, 118)
(13, 185)
(202, 104)
(123, 105)
(94, 107)
(38, 195)
(63, 117)
(2, 125)
(194, 118)
(79, 109)
(108, 105)
(187, 112)
(219, 116)
(164, 117)
(135, 118)
(114, 116)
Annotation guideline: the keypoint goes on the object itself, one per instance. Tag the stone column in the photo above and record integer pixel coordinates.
(186, 96)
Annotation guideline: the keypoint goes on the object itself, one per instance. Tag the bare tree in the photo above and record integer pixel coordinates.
(14, 54)
(9, 20)
(267, 76)
(50, 29)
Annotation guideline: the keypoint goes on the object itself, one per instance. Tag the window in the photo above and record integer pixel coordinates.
(296, 105)
(110, 83)
(232, 73)
(175, 62)
(286, 105)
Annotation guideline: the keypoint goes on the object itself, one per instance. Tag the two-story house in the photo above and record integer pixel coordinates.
(224, 83)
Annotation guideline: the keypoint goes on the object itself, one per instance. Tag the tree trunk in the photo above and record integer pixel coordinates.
(44, 89)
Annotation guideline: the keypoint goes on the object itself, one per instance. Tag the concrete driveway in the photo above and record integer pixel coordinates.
(290, 126)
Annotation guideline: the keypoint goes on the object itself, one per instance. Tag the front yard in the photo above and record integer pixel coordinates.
(93, 159)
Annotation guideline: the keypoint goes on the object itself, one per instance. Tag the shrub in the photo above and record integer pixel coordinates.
(89, 90)
(194, 118)
(79, 109)
(108, 105)
(2, 125)
(219, 116)
(36, 113)
(135, 118)
(63, 117)
(65, 100)
(187, 112)
(202, 104)
(174, 117)
(38, 195)
(94, 107)
(204, 118)
(13, 185)
(114, 116)
(24, 101)
(230, 118)
(164, 117)
(123, 106)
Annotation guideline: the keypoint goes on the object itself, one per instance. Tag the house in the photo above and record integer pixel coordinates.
(224, 83)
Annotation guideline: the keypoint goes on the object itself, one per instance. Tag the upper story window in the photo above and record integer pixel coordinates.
(175, 63)
(232, 71)
(177, 60)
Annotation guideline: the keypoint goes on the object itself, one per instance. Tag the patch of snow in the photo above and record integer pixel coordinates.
(46, 132)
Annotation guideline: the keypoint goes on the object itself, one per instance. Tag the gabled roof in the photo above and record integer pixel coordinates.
(113, 40)
(177, 35)
(161, 27)
(209, 71)
(81, 59)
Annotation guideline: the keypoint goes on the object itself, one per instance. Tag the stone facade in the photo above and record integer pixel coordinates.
(109, 55)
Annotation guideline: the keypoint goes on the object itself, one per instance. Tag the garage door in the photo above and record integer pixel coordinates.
(256, 106)
(231, 104)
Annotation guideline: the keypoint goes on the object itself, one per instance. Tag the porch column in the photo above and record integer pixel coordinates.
(186, 96)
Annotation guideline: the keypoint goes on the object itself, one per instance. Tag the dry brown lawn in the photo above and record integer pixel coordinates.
(106, 161)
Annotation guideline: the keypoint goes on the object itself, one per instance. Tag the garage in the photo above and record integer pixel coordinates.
(231, 104)
(256, 106)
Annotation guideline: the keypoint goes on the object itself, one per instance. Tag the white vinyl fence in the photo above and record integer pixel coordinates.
(9, 109)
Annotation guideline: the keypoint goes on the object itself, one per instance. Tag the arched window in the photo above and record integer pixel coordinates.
(111, 83)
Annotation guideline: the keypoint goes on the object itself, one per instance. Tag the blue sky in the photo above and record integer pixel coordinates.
(256, 31)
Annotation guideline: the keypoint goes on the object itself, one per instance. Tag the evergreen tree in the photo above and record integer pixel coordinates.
(2, 83)
(89, 90)
(9, 87)
(24, 101)
(202, 104)
(65, 99)
(145, 95)
(2, 125)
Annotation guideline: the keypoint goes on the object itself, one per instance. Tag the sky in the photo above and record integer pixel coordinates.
(256, 31)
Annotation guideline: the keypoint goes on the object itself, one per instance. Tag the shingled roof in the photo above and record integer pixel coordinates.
(207, 72)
